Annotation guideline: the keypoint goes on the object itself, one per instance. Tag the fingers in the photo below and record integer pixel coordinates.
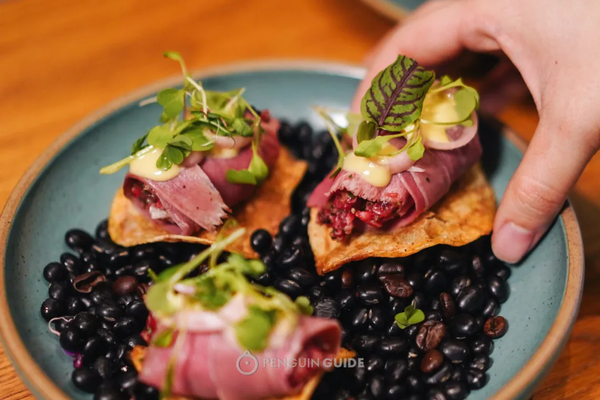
(552, 164)
(432, 36)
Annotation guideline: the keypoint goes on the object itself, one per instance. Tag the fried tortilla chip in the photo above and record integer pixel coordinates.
(137, 358)
(460, 217)
(265, 209)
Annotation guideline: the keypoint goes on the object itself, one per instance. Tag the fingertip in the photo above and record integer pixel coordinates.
(511, 242)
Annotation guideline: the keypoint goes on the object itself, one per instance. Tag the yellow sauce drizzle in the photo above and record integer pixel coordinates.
(145, 167)
(438, 107)
(373, 170)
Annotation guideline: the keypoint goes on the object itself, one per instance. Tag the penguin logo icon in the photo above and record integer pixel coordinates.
(247, 363)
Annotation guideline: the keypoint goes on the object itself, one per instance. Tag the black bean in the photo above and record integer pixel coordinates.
(456, 351)
(138, 310)
(415, 280)
(347, 279)
(59, 290)
(455, 391)
(502, 271)
(126, 299)
(481, 362)
(102, 230)
(395, 285)
(104, 367)
(432, 361)
(435, 303)
(54, 272)
(78, 240)
(125, 285)
(470, 299)
(412, 331)
(458, 284)
(414, 384)
(463, 325)
(326, 307)
(112, 392)
(394, 330)
(301, 276)
(145, 392)
(345, 298)
(93, 348)
(135, 340)
(359, 318)
(414, 364)
(435, 393)
(140, 268)
(128, 381)
(365, 344)
(442, 375)
(495, 327)
(377, 386)
(481, 344)
(396, 370)
(165, 261)
(447, 306)
(109, 311)
(435, 281)
(126, 326)
(430, 335)
(433, 315)
(291, 257)
(370, 293)
(144, 252)
(260, 241)
(476, 379)
(71, 339)
(118, 258)
(498, 288)
(279, 243)
(107, 336)
(396, 306)
(490, 308)
(342, 394)
(478, 267)
(359, 376)
(365, 270)
(419, 300)
(315, 293)
(86, 323)
(86, 379)
(51, 308)
(101, 294)
(390, 267)
(103, 249)
(393, 347)
(375, 364)
(290, 225)
(395, 392)
(74, 306)
(106, 324)
(377, 320)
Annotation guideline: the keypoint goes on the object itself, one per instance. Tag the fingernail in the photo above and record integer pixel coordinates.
(511, 242)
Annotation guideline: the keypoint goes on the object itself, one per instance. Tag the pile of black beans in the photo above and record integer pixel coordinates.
(99, 328)
(445, 357)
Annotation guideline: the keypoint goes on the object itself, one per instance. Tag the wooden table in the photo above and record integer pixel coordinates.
(62, 59)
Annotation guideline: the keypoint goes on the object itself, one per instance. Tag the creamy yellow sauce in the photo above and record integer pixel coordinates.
(373, 170)
(223, 152)
(145, 167)
(438, 107)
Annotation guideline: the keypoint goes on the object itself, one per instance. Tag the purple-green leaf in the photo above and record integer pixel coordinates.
(395, 98)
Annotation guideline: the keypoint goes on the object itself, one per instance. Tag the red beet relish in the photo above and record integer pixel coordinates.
(344, 207)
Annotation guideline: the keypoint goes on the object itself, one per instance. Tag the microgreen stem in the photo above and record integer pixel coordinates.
(201, 90)
(234, 99)
(114, 167)
(330, 124)
(145, 102)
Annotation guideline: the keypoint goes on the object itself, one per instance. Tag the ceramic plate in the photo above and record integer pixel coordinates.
(63, 190)
(395, 9)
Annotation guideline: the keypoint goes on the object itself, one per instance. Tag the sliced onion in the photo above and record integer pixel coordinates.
(193, 159)
(226, 142)
(466, 134)
(399, 163)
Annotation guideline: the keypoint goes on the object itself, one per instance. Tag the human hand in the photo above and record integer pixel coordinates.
(554, 45)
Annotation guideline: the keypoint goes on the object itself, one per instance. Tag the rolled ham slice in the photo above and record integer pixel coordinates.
(412, 192)
(207, 363)
(190, 201)
(200, 196)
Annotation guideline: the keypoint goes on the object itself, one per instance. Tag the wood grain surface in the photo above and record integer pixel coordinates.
(62, 59)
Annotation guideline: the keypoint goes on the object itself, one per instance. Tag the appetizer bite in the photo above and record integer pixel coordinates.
(212, 156)
(204, 328)
(416, 136)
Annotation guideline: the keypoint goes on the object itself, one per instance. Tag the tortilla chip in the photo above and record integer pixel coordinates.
(137, 358)
(463, 215)
(265, 209)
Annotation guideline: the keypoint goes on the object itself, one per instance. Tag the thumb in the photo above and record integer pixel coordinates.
(552, 164)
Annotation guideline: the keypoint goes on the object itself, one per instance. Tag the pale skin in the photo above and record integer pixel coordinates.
(555, 45)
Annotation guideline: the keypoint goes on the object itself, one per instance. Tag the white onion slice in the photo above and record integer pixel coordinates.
(466, 135)
(225, 142)
(193, 159)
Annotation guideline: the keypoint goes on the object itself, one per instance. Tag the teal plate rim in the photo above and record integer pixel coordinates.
(388, 8)
(40, 383)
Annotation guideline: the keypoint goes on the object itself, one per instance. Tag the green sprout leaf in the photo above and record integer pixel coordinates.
(159, 136)
(253, 331)
(304, 305)
(241, 127)
(182, 142)
(366, 131)
(416, 149)
(370, 148)
(172, 100)
(395, 98)
(170, 155)
(410, 316)
(258, 167)
(242, 177)
(173, 55)
(199, 140)
(164, 338)
(138, 144)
